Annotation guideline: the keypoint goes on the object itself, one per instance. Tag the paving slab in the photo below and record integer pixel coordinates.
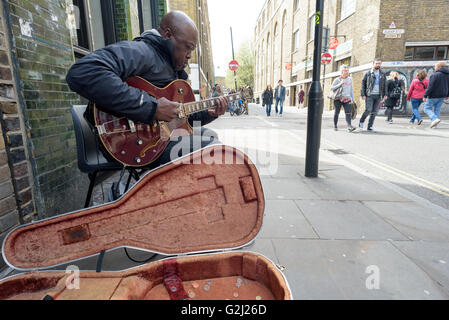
(346, 220)
(264, 247)
(283, 219)
(412, 220)
(286, 189)
(331, 269)
(341, 183)
(432, 257)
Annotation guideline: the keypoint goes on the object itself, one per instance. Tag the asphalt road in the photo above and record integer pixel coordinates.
(411, 157)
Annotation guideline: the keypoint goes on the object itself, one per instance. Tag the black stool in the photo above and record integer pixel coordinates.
(90, 158)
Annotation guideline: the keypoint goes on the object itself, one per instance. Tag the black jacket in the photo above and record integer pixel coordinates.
(268, 97)
(368, 83)
(99, 77)
(391, 84)
(438, 85)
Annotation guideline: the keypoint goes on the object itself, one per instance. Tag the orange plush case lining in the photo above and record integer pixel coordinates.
(207, 201)
(259, 279)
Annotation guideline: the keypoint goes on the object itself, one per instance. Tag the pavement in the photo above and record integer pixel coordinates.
(347, 234)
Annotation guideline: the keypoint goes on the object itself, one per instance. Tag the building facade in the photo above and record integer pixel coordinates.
(39, 41)
(408, 35)
(201, 75)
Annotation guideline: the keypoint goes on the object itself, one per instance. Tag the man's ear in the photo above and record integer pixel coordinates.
(167, 33)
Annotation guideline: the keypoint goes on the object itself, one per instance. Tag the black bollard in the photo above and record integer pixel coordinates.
(316, 100)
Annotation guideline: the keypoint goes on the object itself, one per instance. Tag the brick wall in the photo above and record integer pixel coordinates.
(43, 51)
(16, 199)
(121, 12)
(422, 20)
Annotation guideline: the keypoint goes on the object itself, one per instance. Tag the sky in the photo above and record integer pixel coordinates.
(241, 15)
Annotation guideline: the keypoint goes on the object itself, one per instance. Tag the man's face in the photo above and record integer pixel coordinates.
(377, 64)
(185, 41)
(437, 67)
(280, 83)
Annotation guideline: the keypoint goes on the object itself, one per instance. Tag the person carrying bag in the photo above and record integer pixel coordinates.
(342, 92)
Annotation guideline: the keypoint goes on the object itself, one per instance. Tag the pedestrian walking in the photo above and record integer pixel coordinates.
(345, 98)
(416, 95)
(268, 99)
(374, 88)
(279, 95)
(394, 93)
(301, 95)
(436, 92)
(216, 91)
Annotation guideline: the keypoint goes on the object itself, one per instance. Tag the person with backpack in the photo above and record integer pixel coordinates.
(416, 95)
(394, 93)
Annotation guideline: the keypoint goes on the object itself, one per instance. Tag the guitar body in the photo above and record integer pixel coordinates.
(136, 144)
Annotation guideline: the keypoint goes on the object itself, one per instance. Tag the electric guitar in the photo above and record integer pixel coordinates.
(136, 144)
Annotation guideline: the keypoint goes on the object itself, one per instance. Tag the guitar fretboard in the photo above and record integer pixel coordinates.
(195, 107)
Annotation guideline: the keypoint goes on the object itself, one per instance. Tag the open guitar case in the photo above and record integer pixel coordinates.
(197, 209)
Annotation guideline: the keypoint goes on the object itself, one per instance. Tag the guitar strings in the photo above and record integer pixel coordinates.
(184, 104)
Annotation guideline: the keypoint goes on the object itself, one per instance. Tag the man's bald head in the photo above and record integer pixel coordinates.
(178, 21)
(177, 27)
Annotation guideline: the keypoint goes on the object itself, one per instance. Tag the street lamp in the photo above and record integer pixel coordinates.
(316, 100)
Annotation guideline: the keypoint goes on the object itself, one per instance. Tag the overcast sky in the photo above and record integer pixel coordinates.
(241, 15)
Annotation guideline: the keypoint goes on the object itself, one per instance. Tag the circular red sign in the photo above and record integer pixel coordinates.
(288, 66)
(233, 65)
(333, 43)
(326, 58)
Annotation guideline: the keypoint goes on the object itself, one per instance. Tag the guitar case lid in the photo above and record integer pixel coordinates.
(209, 200)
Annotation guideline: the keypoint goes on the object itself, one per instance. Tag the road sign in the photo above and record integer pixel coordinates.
(333, 43)
(288, 66)
(326, 58)
(393, 31)
(233, 65)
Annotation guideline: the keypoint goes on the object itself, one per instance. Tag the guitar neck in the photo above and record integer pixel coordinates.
(199, 106)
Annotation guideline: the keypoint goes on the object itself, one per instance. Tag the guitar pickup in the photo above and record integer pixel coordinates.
(132, 126)
(101, 130)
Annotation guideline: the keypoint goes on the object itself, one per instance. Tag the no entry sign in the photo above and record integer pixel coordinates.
(333, 43)
(326, 58)
(233, 65)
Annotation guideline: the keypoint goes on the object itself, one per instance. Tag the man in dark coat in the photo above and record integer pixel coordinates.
(279, 96)
(436, 92)
(159, 56)
(374, 89)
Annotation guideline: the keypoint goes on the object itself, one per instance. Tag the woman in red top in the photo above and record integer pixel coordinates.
(416, 94)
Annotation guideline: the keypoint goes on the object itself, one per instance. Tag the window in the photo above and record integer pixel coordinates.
(347, 8)
(441, 53)
(426, 53)
(296, 40)
(408, 54)
(312, 27)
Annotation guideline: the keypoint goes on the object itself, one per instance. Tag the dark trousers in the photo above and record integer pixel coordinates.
(347, 107)
(372, 105)
(390, 107)
(185, 145)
